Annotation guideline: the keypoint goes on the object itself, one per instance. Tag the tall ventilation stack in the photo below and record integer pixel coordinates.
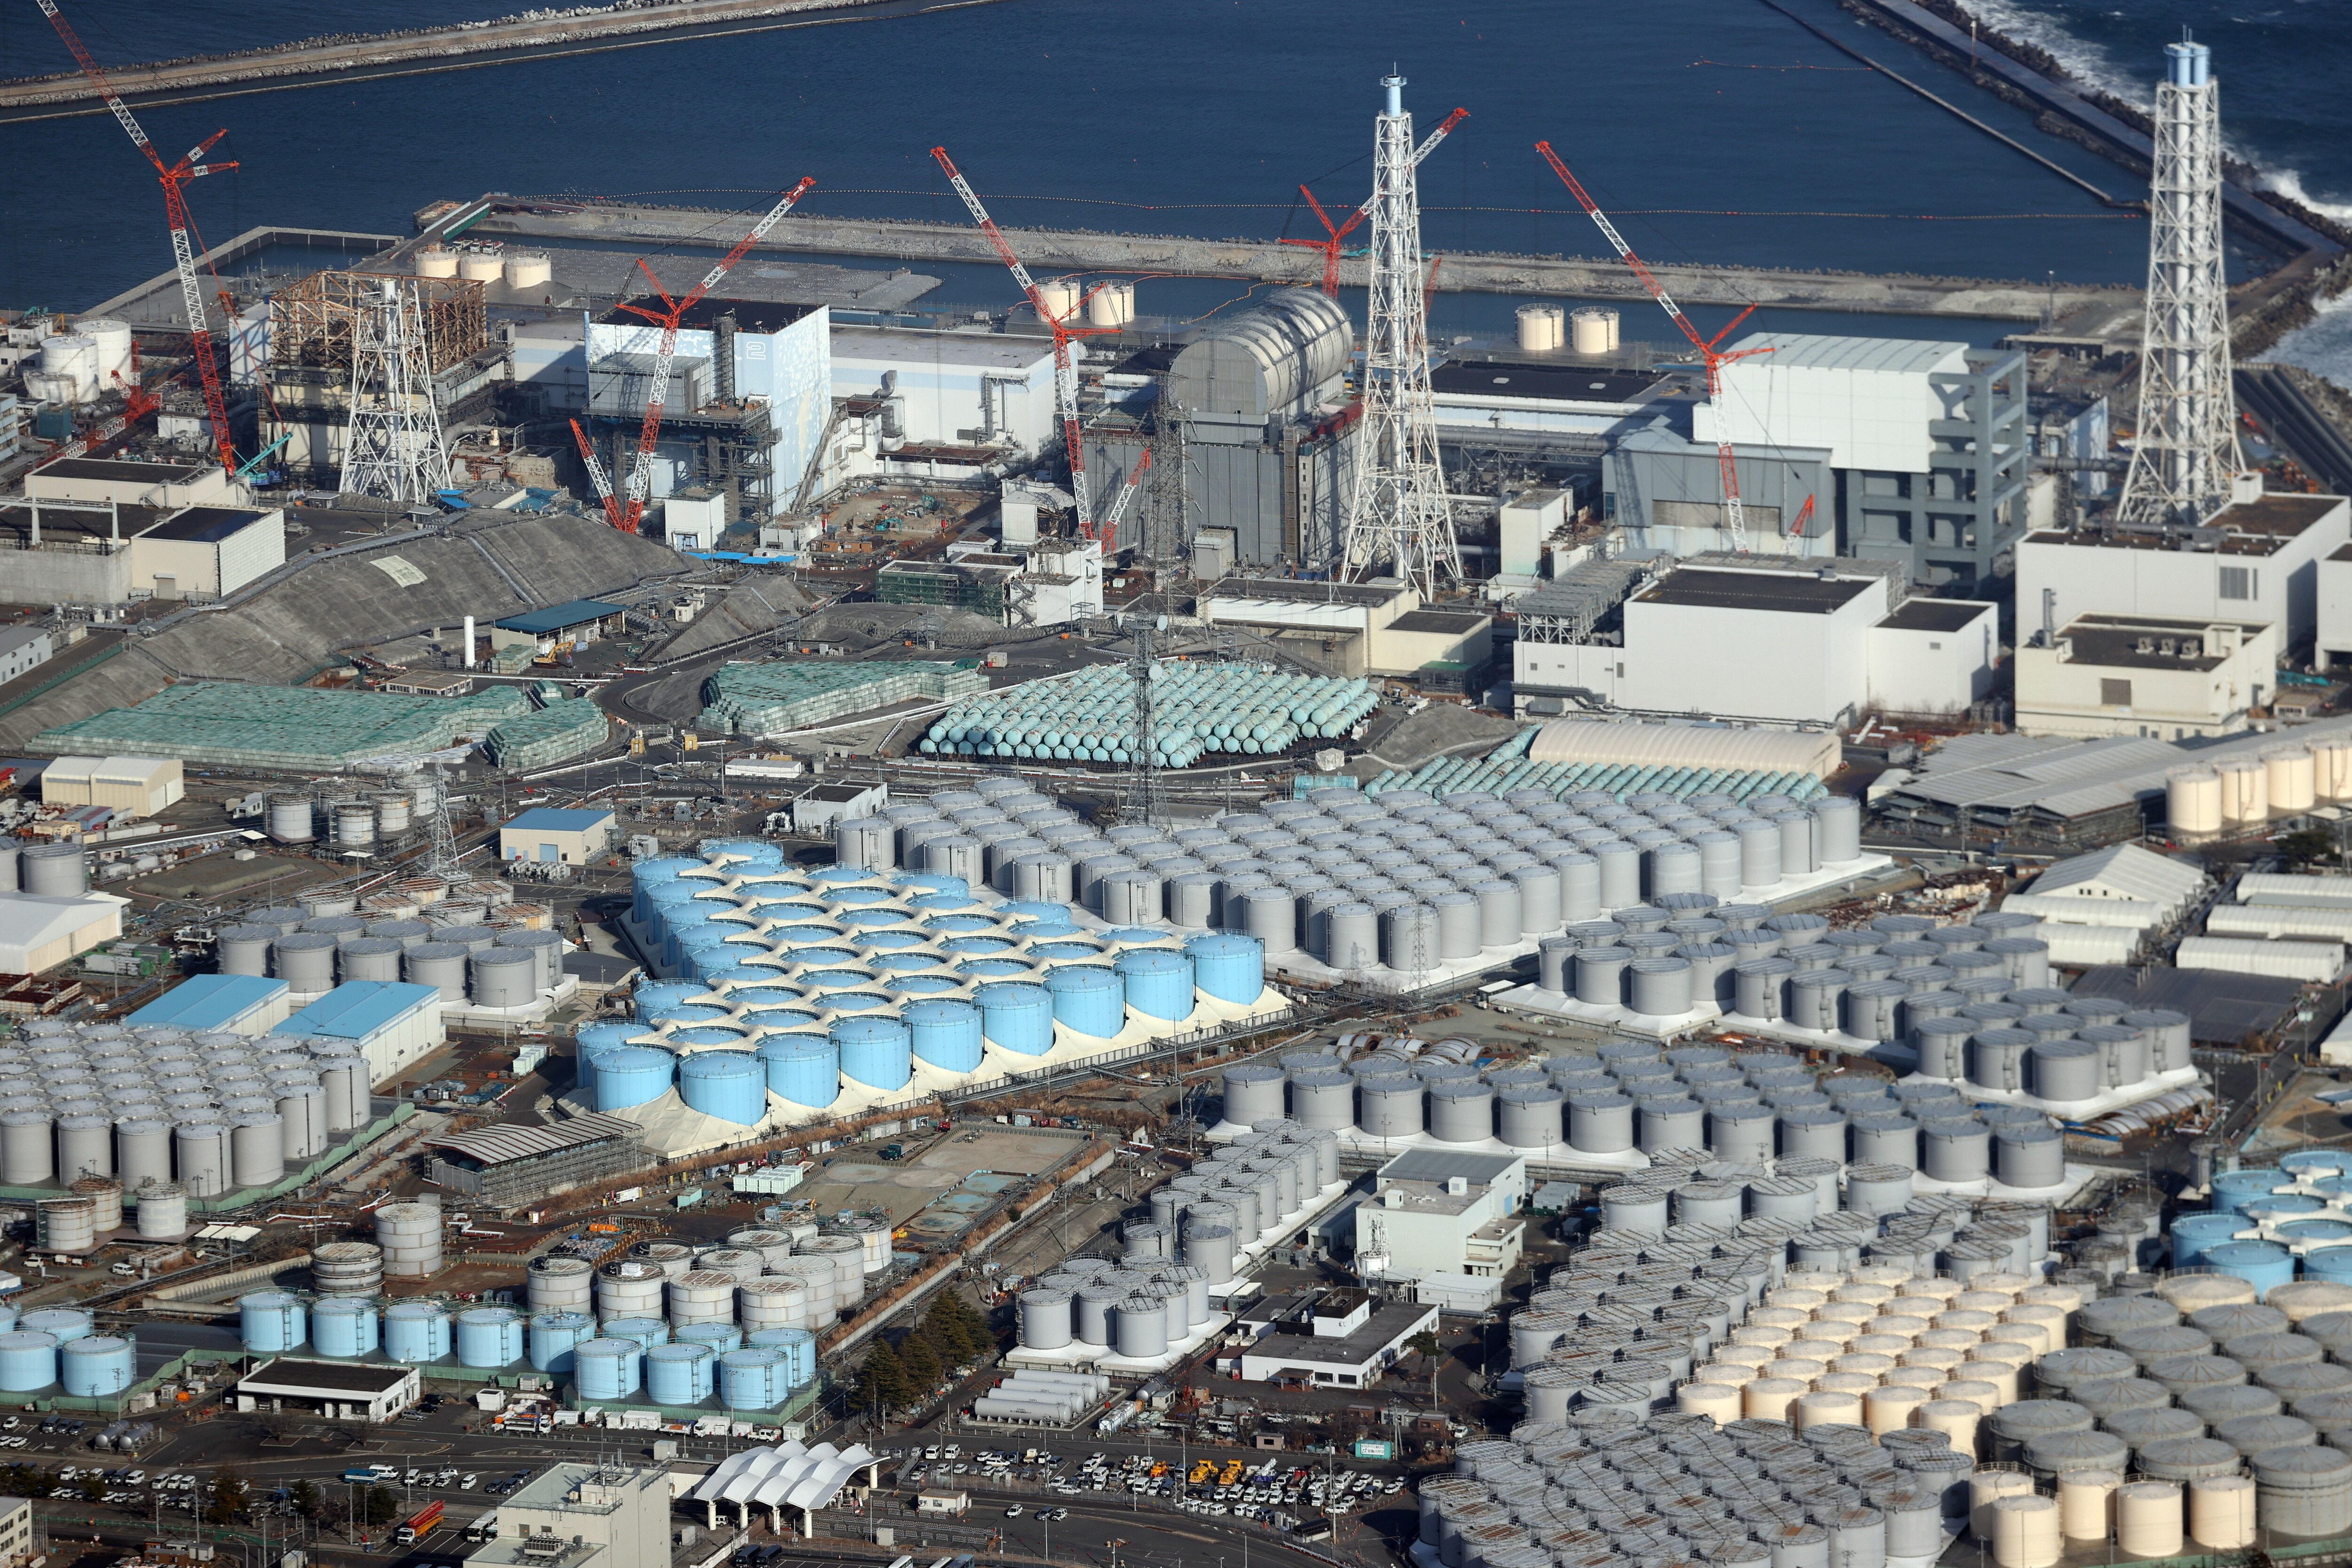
(1399, 521)
(2187, 451)
(393, 446)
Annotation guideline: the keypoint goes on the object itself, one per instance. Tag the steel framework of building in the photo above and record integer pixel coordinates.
(393, 446)
(2186, 449)
(313, 323)
(1399, 519)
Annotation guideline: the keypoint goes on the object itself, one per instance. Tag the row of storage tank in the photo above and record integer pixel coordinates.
(2283, 780)
(1358, 881)
(1743, 1108)
(54, 869)
(696, 1362)
(60, 1347)
(350, 818)
(484, 965)
(1196, 708)
(156, 1105)
(2266, 1225)
(1158, 1293)
(811, 983)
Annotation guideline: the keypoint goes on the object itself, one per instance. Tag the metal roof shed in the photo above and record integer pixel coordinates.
(579, 620)
(241, 1004)
(394, 1025)
(2123, 871)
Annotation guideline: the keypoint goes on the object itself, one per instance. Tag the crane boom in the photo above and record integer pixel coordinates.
(1735, 514)
(625, 514)
(175, 212)
(1330, 246)
(1119, 502)
(596, 476)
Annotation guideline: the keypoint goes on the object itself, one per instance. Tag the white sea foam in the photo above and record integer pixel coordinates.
(2086, 62)
(2289, 183)
(2324, 348)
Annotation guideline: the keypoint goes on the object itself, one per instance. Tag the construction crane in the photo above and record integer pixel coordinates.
(1125, 497)
(137, 403)
(1734, 515)
(175, 212)
(1330, 246)
(1065, 330)
(626, 510)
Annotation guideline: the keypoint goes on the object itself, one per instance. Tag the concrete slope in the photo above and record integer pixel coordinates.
(748, 609)
(296, 627)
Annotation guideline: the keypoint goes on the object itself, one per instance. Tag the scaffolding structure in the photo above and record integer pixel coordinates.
(393, 446)
(2186, 449)
(314, 323)
(1399, 520)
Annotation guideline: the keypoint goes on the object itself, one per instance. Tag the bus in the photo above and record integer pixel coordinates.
(484, 1529)
(369, 1474)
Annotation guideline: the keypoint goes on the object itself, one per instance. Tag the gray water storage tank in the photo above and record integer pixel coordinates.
(1672, 1122)
(1352, 936)
(1873, 1009)
(306, 961)
(1323, 1097)
(1598, 1122)
(1498, 912)
(1815, 999)
(1997, 1059)
(201, 1155)
(1877, 1190)
(2124, 1053)
(1579, 885)
(1741, 1132)
(53, 870)
(2188, 1459)
(1531, 1116)
(1409, 939)
(2030, 1156)
(1389, 1106)
(1046, 1313)
(1659, 987)
(1760, 987)
(1955, 1149)
(2065, 1071)
(1942, 1044)
(1461, 1111)
(1539, 899)
(244, 948)
(546, 947)
(2060, 1453)
(1620, 865)
(503, 977)
(1269, 914)
(1253, 1094)
(1601, 975)
(1838, 820)
(440, 965)
(1555, 960)
(1709, 1203)
(1884, 1138)
(2010, 1428)
(376, 958)
(2303, 1491)
(1674, 867)
(2167, 1034)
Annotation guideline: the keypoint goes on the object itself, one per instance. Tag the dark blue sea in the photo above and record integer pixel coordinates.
(1716, 131)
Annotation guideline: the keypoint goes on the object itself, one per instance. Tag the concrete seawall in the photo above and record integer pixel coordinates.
(1268, 261)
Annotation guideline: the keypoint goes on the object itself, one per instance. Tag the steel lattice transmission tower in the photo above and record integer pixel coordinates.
(393, 446)
(1399, 519)
(2187, 446)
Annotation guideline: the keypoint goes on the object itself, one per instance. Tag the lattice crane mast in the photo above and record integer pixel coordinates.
(1117, 512)
(1064, 330)
(175, 213)
(1734, 515)
(626, 510)
(1330, 246)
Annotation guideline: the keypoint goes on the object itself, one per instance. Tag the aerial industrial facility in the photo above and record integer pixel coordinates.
(1715, 949)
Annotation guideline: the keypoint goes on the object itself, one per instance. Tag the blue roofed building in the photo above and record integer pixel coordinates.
(396, 1024)
(578, 621)
(556, 835)
(238, 1003)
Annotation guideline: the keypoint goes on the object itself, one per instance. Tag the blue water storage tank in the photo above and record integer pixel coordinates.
(1229, 966)
(945, 1034)
(934, 882)
(799, 1346)
(876, 1052)
(606, 1369)
(1088, 998)
(749, 856)
(1158, 981)
(416, 1332)
(805, 1069)
(923, 986)
(753, 1379)
(976, 946)
(2316, 1161)
(272, 1321)
(553, 1336)
(1017, 1015)
(688, 1015)
(707, 1034)
(97, 1367)
(2192, 1234)
(1136, 936)
(721, 1337)
(1063, 952)
(960, 925)
(681, 1373)
(63, 1324)
(632, 1076)
(649, 875)
(345, 1326)
(29, 1361)
(489, 1336)
(593, 1039)
(730, 1084)
(662, 998)
(2234, 1190)
(992, 968)
(2333, 1264)
(2304, 1235)
(1033, 909)
(2279, 1206)
(645, 1332)
(2264, 1264)
(1049, 931)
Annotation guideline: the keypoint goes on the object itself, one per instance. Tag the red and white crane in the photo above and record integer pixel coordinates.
(1065, 330)
(1330, 246)
(1734, 515)
(626, 510)
(1117, 511)
(175, 212)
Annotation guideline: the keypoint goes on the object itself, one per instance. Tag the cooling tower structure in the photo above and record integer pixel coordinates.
(799, 993)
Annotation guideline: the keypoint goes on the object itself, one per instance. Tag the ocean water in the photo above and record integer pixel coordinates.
(1715, 130)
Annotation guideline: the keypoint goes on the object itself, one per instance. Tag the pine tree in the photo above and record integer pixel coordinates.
(883, 1380)
(922, 1363)
(949, 1332)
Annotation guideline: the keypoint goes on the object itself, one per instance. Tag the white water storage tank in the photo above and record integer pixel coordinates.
(65, 1225)
(2192, 800)
(200, 1151)
(1542, 328)
(527, 268)
(410, 1235)
(1139, 1327)
(347, 1268)
(559, 1284)
(630, 1289)
(1593, 330)
(1045, 1317)
(1111, 305)
(163, 1213)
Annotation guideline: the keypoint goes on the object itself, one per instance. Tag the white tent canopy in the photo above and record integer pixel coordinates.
(2123, 871)
(783, 1475)
(1687, 746)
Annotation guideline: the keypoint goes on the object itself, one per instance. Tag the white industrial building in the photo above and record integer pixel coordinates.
(2123, 873)
(1492, 398)
(1332, 1339)
(1743, 638)
(41, 930)
(1437, 1212)
(2257, 560)
(1376, 627)
(2147, 675)
(947, 389)
(23, 648)
(340, 1390)
(132, 786)
(2332, 632)
(623, 1510)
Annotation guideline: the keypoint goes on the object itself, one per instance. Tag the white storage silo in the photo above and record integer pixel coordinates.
(1593, 330)
(1542, 328)
(410, 1235)
(163, 1213)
